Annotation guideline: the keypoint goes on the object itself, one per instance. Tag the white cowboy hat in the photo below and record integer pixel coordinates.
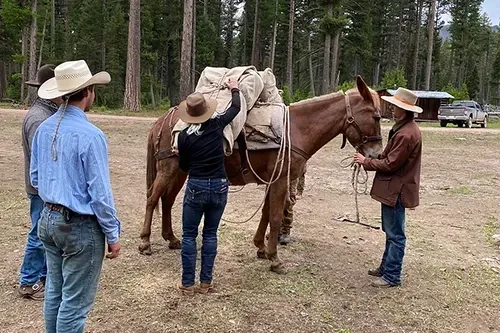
(404, 99)
(70, 77)
(196, 109)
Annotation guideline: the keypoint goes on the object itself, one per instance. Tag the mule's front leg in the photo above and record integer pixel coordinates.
(260, 234)
(277, 197)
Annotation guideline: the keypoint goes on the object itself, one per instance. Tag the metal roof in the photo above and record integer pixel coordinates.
(426, 94)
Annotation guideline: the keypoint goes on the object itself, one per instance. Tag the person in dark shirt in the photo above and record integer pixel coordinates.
(201, 155)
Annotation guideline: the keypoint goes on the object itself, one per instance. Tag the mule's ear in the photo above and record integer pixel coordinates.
(363, 89)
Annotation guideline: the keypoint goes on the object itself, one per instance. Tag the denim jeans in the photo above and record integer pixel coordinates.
(34, 266)
(393, 224)
(203, 197)
(75, 251)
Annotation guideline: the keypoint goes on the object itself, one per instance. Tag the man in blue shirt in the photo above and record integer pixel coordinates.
(69, 168)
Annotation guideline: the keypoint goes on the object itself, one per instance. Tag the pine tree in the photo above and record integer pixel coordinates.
(132, 99)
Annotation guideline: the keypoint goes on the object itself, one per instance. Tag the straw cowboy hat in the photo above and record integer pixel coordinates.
(43, 74)
(196, 109)
(71, 77)
(404, 99)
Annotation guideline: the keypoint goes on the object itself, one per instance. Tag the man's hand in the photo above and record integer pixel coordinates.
(114, 250)
(358, 158)
(232, 83)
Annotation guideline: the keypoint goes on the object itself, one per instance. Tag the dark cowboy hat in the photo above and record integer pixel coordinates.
(44, 73)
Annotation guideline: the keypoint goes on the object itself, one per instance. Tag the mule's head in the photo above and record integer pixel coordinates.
(362, 128)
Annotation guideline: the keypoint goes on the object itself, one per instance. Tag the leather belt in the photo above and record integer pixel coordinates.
(56, 207)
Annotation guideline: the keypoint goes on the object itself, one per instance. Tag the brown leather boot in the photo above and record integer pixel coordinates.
(375, 272)
(205, 288)
(35, 291)
(186, 291)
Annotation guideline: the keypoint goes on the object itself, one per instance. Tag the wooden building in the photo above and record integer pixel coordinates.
(429, 101)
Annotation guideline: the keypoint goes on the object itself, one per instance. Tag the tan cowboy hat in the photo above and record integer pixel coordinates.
(70, 77)
(404, 99)
(196, 109)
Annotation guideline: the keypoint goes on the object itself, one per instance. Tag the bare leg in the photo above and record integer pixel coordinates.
(258, 239)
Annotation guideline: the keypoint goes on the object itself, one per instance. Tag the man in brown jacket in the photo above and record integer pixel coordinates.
(396, 183)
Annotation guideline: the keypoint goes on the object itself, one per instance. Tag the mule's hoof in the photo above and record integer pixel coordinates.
(261, 255)
(277, 268)
(174, 245)
(145, 249)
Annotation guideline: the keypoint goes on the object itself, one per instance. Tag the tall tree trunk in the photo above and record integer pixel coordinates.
(53, 29)
(42, 42)
(311, 70)
(400, 34)
(325, 87)
(24, 47)
(289, 61)
(32, 62)
(68, 49)
(132, 99)
(417, 45)
(430, 44)
(335, 60)
(376, 74)
(275, 33)
(186, 49)
(255, 39)
(3, 79)
(151, 90)
(103, 44)
(193, 57)
(245, 38)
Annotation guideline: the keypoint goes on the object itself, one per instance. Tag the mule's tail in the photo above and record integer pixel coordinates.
(151, 166)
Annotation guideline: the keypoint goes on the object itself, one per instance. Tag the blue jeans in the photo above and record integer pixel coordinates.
(34, 266)
(393, 224)
(75, 251)
(203, 197)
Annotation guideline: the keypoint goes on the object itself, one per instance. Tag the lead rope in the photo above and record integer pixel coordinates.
(285, 144)
(356, 181)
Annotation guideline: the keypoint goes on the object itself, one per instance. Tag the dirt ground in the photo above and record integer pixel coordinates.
(447, 284)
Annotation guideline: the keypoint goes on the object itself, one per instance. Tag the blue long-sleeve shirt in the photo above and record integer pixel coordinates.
(79, 178)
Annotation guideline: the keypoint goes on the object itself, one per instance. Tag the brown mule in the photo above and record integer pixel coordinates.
(313, 123)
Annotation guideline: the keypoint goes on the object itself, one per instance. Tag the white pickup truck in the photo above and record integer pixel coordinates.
(462, 113)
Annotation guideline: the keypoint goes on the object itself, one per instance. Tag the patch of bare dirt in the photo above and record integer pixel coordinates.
(447, 285)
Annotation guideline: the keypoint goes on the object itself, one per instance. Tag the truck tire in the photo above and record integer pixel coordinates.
(469, 123)
(485, 123)
(443, 123)
(461, 124)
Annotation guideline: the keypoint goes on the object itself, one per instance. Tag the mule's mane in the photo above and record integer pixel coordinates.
(318, 99)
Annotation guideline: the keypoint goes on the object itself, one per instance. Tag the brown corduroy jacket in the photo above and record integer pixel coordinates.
(398, 168)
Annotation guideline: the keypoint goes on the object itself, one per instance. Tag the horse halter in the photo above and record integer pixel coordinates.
(352, 122)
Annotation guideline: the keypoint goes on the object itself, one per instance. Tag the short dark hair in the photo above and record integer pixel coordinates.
(78, 96)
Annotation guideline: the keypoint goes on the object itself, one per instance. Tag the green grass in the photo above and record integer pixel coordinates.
(461, 190)
(490, 228)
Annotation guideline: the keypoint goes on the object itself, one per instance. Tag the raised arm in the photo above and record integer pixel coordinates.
(235, 107)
